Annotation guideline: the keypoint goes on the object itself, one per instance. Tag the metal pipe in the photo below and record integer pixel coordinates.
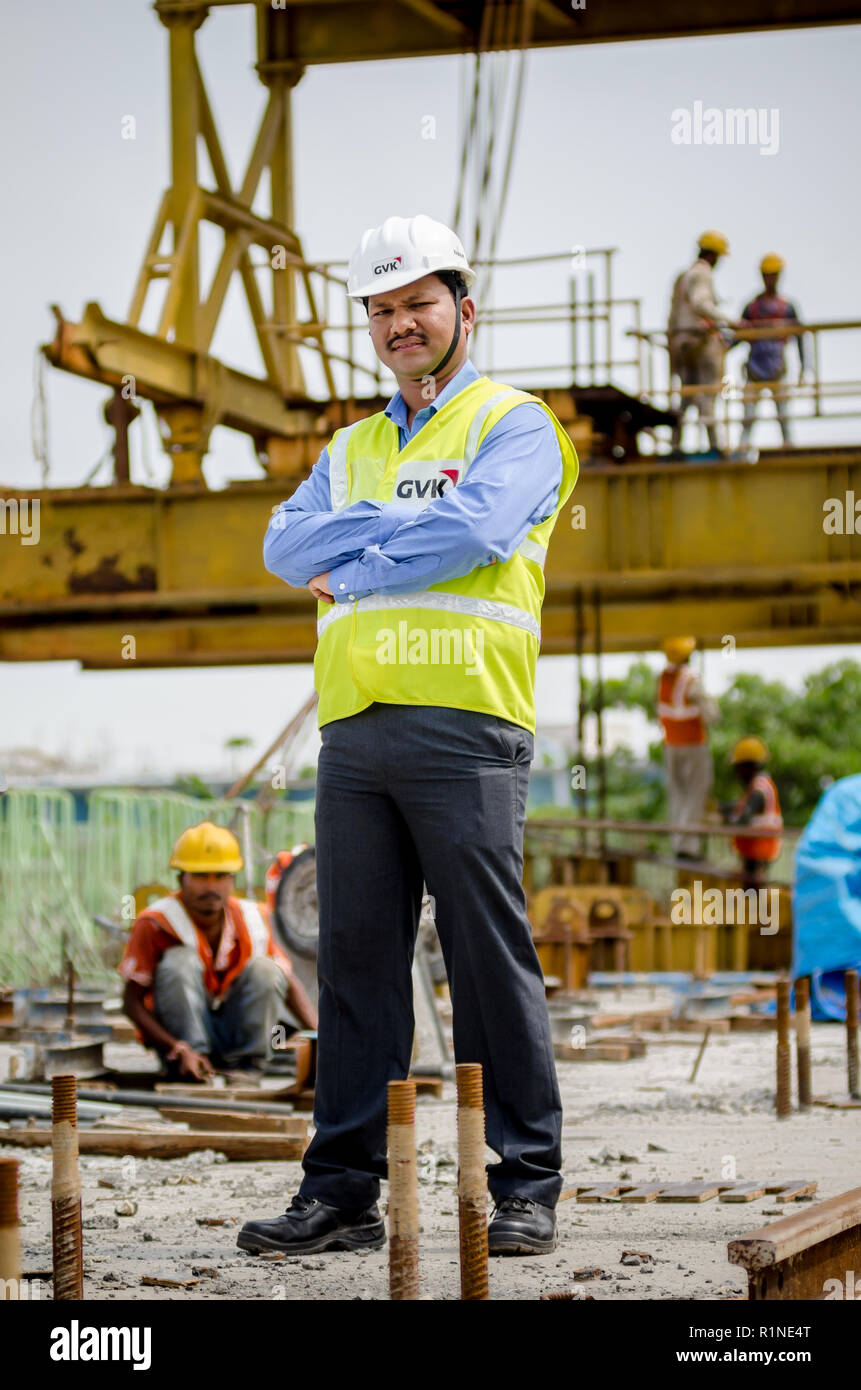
(851, 979)
(802, 1040)
(10, 1241)
(471, 1183)
(39, 1107)
(66, 1192)
(784, 1059)
(156, 1100)
(403, 1192)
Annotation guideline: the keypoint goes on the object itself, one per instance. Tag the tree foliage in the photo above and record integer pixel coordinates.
(812, 737)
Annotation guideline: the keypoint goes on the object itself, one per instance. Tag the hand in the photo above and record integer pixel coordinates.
(319, 587)
(191, 1063)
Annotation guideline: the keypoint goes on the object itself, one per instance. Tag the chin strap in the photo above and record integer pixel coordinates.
(459, 293)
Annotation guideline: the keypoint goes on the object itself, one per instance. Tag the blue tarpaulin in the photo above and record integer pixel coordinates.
(827, 898)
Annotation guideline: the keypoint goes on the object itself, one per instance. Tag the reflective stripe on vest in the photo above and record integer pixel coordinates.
(680, 709)
(181, 924)
(257, 929)
(178, 919)
(433, 599)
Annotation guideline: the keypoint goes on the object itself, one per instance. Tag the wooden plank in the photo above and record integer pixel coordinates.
(647, 1192)
(592, 1052)
(743, 1192)
(697, 1025)
(793, 1193)
(636, 1045)
(838, 1102)
(752, 1023)
(780, 1184)
(599, 1190)
(430, 1085)
(121, 1143)
(644, 1019)
(229, 1123)
(181, 1089)
(689, 1192)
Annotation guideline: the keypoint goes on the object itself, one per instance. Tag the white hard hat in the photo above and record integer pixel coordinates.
(402, 250)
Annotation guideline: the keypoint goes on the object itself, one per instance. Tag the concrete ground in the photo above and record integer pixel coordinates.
(640, 1118)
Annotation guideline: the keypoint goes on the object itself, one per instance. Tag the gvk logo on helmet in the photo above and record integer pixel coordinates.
(382, 267)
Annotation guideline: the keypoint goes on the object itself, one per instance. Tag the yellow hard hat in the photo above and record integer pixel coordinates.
(749, 750)
(677, 649)
(772, 264)
(207, 849)
(714, 241)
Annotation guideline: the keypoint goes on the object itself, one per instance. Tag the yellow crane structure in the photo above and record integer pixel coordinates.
(123, 557)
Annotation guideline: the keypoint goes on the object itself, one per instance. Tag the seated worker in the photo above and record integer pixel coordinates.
(757, 810)
(204, 979)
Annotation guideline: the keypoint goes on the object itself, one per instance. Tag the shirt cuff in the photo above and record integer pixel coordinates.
(342, 582)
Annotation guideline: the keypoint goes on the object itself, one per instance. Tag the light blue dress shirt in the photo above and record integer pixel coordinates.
(373, 547)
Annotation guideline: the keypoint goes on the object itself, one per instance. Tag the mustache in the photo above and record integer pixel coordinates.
(394, 341)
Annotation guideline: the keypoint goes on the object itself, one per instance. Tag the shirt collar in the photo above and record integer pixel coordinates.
(396, 409)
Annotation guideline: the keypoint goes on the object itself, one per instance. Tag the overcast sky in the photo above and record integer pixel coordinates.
(595, 165)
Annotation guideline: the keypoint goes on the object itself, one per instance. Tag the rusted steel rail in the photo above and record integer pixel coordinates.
(795, 1257)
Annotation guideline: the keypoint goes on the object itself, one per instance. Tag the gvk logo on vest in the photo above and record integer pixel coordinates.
(434, 646)
(426, 489)
(717, 907)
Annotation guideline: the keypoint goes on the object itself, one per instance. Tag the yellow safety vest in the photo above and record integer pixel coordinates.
(467, 643)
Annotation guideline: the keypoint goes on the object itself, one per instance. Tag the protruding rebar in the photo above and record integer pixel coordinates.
(852, 1033)
(802, 1041)
(784, 1055)
(471, 1182)
(403, 1192)
(66, 1191)
(10, 1244)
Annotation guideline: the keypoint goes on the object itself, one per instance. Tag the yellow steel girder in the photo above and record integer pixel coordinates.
(717, 550)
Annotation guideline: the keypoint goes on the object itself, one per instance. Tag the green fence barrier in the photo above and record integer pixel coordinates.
(56, 873)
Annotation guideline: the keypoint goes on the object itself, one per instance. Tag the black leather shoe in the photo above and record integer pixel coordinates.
(520, 1226)
(309, 1226)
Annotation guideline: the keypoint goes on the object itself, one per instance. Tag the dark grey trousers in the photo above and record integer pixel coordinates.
(406, 794)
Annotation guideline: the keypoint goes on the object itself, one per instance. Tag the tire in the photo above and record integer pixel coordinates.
(295, 917)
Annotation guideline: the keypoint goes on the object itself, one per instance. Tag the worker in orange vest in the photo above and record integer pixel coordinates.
(757, 809)
(685, 711)
(205, 980)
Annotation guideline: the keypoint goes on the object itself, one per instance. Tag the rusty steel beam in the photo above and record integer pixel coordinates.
(343, 31)
(123, 560)
(794, 1257)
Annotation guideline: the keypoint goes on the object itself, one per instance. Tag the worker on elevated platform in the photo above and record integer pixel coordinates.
(765, 368)
(757, 810)
(697, 333)
(205, 981)
(422, 531)
(685, 712)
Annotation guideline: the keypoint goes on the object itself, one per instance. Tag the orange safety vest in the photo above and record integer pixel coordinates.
(763, 848)
(249, 923)
(682, 722)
